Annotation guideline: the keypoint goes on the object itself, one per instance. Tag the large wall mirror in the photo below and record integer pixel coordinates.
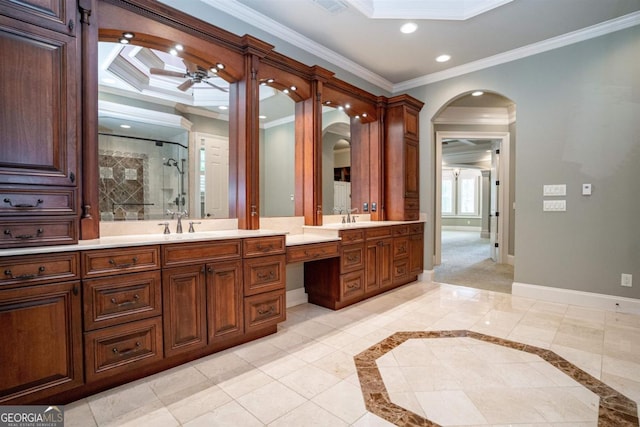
(277, 152)
(163, 129)
(336, 161)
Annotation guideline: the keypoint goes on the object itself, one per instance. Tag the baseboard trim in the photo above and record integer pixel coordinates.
(461, 228)
(511, 259)
(296, 297)
(426, 276)
(573, 297)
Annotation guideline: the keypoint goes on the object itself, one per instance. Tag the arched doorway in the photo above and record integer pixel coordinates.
(474, 191)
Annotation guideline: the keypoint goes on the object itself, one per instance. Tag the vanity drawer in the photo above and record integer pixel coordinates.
(311, 252)
(377, 232)
(417, 228)
(260, 246)
(37, 269)
(267, 309)
(400, 270)
(180, 254)
(264, 274)
(119, 349)
(107, 262)
(352, 236)
(352, 257)
(37, 201)
(400, 247)
(113, 300)
(351, 285)
(38, 231)
(400, 230)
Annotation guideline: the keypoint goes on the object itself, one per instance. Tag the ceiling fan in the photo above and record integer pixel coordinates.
(193, 73)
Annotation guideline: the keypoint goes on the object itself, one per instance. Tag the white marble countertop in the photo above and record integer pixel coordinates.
(141, 240)
(308, 238)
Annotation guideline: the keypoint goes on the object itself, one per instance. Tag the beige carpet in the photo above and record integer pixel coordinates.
(466, 261)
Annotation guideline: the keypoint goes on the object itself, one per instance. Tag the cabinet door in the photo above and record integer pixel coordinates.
(379, 264)
(224, 300)
(41, 351)
(184, 309)
(411, 178)
(38, 79)
(416, 253)
(58, 15)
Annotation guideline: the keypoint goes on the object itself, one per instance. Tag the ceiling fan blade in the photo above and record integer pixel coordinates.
(191, 67)
(216, 86)
(186, 85)
(161, 72)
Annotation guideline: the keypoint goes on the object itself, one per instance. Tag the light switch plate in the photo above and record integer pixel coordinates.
(554, 205)
(554, 190)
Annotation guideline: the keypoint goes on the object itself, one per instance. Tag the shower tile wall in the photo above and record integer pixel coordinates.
(123, 185)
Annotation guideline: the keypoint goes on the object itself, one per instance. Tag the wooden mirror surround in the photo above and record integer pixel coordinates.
(247, 63)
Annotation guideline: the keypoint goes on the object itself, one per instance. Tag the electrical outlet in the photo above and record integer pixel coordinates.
(626, 280)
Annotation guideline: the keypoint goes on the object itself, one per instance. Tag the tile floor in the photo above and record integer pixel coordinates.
(305, 374)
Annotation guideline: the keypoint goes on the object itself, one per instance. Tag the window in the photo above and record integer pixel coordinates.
(461, 192)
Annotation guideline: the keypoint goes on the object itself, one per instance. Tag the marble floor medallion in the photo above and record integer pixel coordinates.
(412, 382)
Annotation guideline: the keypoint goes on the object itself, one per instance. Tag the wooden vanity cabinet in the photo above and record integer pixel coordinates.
(39, 81)
(372, 260)
(122, 294)
(402, 198)
(264, 282)
(202, 294)
(41, 315)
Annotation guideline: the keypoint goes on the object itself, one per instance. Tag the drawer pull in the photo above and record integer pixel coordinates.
(263, 312)
(265, 276)
(402, 249)
(353, 258)
(353, 285)
(135, 299)
(265, 248)
(133, 262)
(24, 236)
(128, 351)
(24, 276)
(23, 205)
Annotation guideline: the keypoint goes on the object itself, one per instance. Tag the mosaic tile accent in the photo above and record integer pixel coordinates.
(615, 409)
(122, 185)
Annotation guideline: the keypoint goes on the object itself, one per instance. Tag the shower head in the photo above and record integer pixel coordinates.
(171, 162)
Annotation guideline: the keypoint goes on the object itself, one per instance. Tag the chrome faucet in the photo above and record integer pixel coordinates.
(179, 215)
(349, 212)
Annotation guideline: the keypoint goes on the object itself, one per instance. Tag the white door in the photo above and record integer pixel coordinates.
(213, 181)
(341, 195)
(494, 202)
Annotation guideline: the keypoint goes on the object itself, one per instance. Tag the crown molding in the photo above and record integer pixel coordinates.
(607, 27)
(474, 116)
(258, 20)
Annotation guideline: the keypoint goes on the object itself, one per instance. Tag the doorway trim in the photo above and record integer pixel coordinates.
(503, 190)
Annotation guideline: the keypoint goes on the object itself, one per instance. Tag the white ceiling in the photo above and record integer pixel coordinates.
(342, 31)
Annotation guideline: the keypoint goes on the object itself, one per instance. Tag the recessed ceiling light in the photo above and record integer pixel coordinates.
(223, 107)
(262, 117)
(477, 93)
(125, 126)
(443, 58)
(128, 35)
(179, 47)
(173, 52)
(123, 40)
(408, 28)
